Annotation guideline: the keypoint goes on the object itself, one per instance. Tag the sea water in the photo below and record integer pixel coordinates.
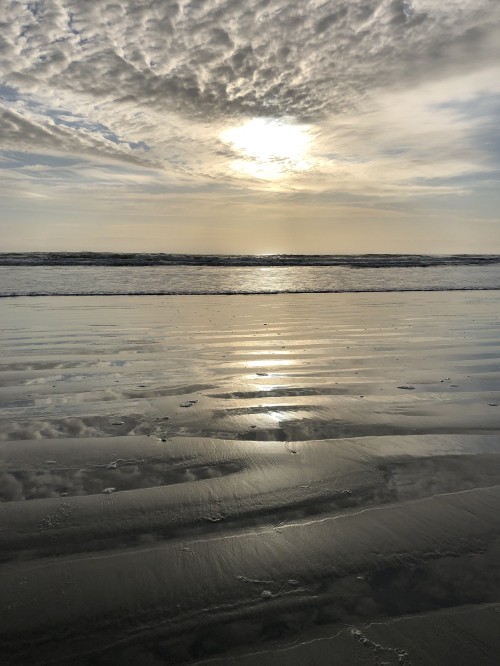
(106, 274)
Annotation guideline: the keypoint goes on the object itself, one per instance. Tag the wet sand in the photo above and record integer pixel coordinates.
(282, 479)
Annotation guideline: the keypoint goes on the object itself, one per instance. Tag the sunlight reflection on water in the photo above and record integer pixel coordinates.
(66, 280)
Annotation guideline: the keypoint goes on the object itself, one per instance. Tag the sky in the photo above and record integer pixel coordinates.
(250, 126)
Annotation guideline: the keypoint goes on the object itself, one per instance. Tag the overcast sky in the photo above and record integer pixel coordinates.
(250, 126)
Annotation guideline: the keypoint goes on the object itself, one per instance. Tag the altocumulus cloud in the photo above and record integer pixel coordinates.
(379, 84)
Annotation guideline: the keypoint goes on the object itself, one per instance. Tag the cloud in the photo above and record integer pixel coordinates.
(229, 58)
(25, 131)
(153, 86)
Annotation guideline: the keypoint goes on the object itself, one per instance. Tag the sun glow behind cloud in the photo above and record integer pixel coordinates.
(269, 149)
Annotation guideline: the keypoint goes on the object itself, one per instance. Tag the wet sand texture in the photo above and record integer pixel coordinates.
(306, 479)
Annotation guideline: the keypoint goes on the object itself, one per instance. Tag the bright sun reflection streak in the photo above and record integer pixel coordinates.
(268, 363)
(270, 149)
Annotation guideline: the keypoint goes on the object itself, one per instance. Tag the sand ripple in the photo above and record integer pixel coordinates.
(303, 490)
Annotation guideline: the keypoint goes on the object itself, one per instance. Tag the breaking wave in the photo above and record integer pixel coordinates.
(161, 259)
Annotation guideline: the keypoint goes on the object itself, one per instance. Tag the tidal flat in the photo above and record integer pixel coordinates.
(250, 479)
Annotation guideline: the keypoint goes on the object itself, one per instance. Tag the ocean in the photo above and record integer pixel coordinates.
(73, 274)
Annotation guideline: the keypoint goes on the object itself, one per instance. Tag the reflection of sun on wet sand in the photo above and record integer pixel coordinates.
(259, 479)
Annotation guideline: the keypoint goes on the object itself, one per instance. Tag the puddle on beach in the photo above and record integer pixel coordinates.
(119, 476)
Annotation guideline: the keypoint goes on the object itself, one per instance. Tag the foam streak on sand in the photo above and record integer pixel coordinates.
(305, 508)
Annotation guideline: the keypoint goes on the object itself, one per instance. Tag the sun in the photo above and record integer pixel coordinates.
(268, 148)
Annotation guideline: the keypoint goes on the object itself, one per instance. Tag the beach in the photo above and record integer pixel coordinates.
(274, 478)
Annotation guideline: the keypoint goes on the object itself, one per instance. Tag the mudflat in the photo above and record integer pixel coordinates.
(285, 479)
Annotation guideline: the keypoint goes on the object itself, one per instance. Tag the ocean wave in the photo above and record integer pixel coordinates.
(161, 259)
(234, 292)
